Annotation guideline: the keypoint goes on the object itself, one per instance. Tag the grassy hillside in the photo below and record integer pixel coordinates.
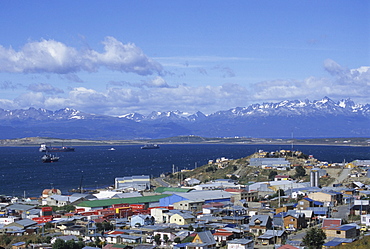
(238, 169)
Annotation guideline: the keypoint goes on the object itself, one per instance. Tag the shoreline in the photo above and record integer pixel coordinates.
(191, 140)
(140, 144)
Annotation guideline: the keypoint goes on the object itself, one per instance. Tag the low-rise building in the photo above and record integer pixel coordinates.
(240, 244)
(259, 224)
(271, 237)
(180, 218)
(141, 220)
(294, 220)
(203, 240)
(161, 215)
(139, 183)
(328, 198)
(344, 231)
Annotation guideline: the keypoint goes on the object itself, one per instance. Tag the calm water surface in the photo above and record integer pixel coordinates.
(22, 172)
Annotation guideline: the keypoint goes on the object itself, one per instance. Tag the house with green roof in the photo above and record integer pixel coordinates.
(152, 200)
(169, 189)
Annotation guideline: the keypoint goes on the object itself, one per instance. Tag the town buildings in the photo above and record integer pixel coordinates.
(220, 213)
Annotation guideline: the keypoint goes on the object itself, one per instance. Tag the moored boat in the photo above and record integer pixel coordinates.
(49, 158)
(44, 148)
(150, 146)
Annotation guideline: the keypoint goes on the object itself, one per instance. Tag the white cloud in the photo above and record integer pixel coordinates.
(157, 94)
(118, 101)
(157, 82)
(345, 83)
(49, 56)
(7, 104)
(30, 99)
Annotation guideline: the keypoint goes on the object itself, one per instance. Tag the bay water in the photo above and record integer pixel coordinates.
(23, 173)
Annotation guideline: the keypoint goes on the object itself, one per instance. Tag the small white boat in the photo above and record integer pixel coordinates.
(112, 148)
(150, 146)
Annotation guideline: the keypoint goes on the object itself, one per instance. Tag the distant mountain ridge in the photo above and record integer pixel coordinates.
(322, 118)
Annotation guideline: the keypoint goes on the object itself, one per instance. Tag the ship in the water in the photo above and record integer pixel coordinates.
(150, 146)
(49, 158)
(44, 148)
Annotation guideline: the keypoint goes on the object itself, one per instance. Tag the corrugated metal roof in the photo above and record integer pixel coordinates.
(110, 202)
(202, 195)
(332, 243)
(163, 189)
(240, 241)
(20, 207)
(26, 222)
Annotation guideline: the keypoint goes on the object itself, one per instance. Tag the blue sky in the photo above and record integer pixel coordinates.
(118, 57)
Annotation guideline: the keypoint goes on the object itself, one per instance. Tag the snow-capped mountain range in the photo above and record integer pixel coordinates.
(322, 118)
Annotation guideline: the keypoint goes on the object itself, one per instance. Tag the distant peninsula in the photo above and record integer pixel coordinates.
(191, 139)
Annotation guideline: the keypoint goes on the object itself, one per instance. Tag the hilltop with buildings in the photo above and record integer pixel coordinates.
(266, 200)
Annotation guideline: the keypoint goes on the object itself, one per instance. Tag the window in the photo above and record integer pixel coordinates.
(338, 232)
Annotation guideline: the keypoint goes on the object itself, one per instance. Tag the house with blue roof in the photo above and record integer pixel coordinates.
(294, 220)
(319, 212)
(259, 224)
(328, 198)
(141, 220)
(336, 242)
(308, 202)
(347, 231)
(194, 200)
(271, 237)
(240, 244)
(203, 240)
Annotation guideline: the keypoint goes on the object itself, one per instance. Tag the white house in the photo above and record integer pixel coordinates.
(240, 244)
(365, 219)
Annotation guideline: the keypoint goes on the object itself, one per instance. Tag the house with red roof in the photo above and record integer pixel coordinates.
(331, 222)
(281, 178)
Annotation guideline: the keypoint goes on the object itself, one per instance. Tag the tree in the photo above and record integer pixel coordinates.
(280, 192)
(157, 239)
(5, 239)
(300, 171)
(314, 238)
(98, 242)
(70, 244)
(234, 177)
(66, 208)
(59, 244)
(272, 175)
(165, 238)
(177, 240)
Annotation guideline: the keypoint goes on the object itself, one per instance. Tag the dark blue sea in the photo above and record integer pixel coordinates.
(22, 172)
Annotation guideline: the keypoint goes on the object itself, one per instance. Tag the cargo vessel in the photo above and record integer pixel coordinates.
(44, 148)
